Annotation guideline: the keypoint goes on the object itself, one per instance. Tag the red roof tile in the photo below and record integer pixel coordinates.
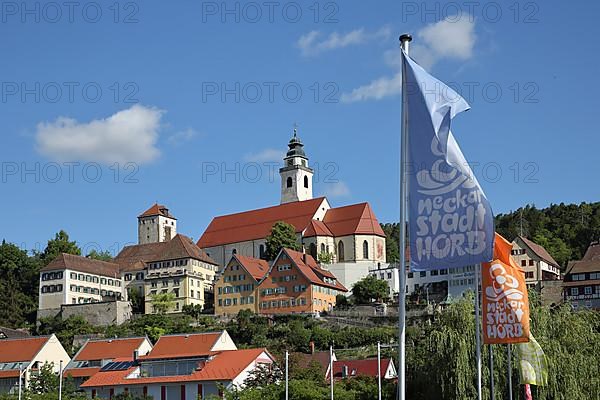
(311, 269)
(257, 224)
(256, 267)
(156, 210)
(317, 228)
(13, 373)
(366, 367)
(173, 346)
(81, 372)
(22, 349)
(108, 349)
(540, 251)
(224, 366)
(353, 219)
(83, 264)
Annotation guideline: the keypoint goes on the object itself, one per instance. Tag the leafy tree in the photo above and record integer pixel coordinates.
(193, 310)
(325, 257)
(60, 244)
(100, 255)
(136, 299)
(264, 375)
(282, 235)
(163, 302)
(392, 238)
(370, 288)
(66, 329)
(45, 381)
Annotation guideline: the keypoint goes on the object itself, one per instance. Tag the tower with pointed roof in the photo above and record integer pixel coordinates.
(156, 224)
(296, 175)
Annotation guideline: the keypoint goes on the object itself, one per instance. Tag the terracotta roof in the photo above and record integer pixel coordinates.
(540, 251)
(184, 345)
(579, 267)
(353, 219)
(224, 366)
(108, 349)
(83, 264)
(592, 252)
(81, 372)
(312, 271)
(255, 266)
(317, 228)
(366, 367)
(179, 247)
(257, 224)
(321, 357)
(13, 373)
(21, 349)
(156, 210)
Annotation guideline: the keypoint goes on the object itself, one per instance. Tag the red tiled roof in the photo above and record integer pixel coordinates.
(83, 264)
(540, 251)
(155, 210)
(354, 219)
(320, 357)
(317, 228)
(21, 349)
(256, 267)
(592, 252)
(108, 349)
(179, 247)
(81, 372)
(257, 224)
(313, 272)
(366, 367)
(173, 346)
(13, 373)
(225, 366)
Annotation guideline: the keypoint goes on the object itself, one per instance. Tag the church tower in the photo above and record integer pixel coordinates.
(296, 176)
(156, 224)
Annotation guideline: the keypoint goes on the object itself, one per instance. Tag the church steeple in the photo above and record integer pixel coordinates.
(296, 176)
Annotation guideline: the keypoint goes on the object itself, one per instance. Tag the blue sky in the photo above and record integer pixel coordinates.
(162, 99)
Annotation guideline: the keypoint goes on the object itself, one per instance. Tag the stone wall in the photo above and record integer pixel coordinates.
(98, 314)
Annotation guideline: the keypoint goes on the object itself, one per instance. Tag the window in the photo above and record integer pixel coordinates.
(529, 275)
(423, 274)
(305, 180)
(588, 290)
(574, 291)
(313, 250)
(443, 271)
(340, 249)
(389, 275)
(73, 275)
(233, 252)
(290, 182)
(365, 249)
(523, 263)
(322, 247)
(261, 251)
(434, 272)
(531, 263)
(410, 275)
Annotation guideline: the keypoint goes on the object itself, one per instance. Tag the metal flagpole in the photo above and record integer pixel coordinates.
(491, 364)
(331, 371)
(509, 362)
(287, 393)
(404, 43)
(477, 330)
(60, 379)
(20, 378)
(378, 371)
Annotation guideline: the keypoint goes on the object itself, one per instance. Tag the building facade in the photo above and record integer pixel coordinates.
(237, 286)
(582, 280)
(156, 224)
(535, 260)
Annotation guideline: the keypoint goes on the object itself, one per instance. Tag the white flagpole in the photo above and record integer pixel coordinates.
(20, 379)
(509, 360)
(60, 379)
(477, 330)
(331, 371)
(404, 43)
(378, 371)
(287, 357)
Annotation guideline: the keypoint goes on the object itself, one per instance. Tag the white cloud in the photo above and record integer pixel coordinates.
(337, 189)
(181, 137)
(310, 43)
(376, 90)
(266, 155)
(452, 38)
(127, 136)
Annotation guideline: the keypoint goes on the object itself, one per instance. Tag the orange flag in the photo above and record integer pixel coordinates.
(505, 301)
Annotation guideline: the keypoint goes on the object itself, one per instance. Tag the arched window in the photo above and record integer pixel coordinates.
(261, 251)
(312, 249)
(322, 247)
(233, 252)
(365, 250)
(306, 182)
(340, 250)
(290, 182)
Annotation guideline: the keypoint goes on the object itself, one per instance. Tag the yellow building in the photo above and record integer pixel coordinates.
(237, 287)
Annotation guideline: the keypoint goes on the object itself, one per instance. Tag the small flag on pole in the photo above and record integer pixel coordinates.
(533, 364)
(505, 299)
(450, 220)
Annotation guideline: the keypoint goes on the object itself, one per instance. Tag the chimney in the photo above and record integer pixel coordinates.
(304, 258)
(135, 355)
(312, 347)
(344, 371)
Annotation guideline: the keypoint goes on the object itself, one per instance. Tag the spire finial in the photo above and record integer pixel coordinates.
(295, 129)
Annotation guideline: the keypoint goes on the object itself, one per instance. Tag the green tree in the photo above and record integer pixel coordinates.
(60, 244)
(100, 255)
(392, 238)
(163, 302)
(193, 310)
(264, 375)
(282, 235)
(325, 257)
(136, 299)
(370, 288)
(45, 381)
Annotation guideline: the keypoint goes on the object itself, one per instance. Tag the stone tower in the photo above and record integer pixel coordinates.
(156, 224)
(296, 176)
